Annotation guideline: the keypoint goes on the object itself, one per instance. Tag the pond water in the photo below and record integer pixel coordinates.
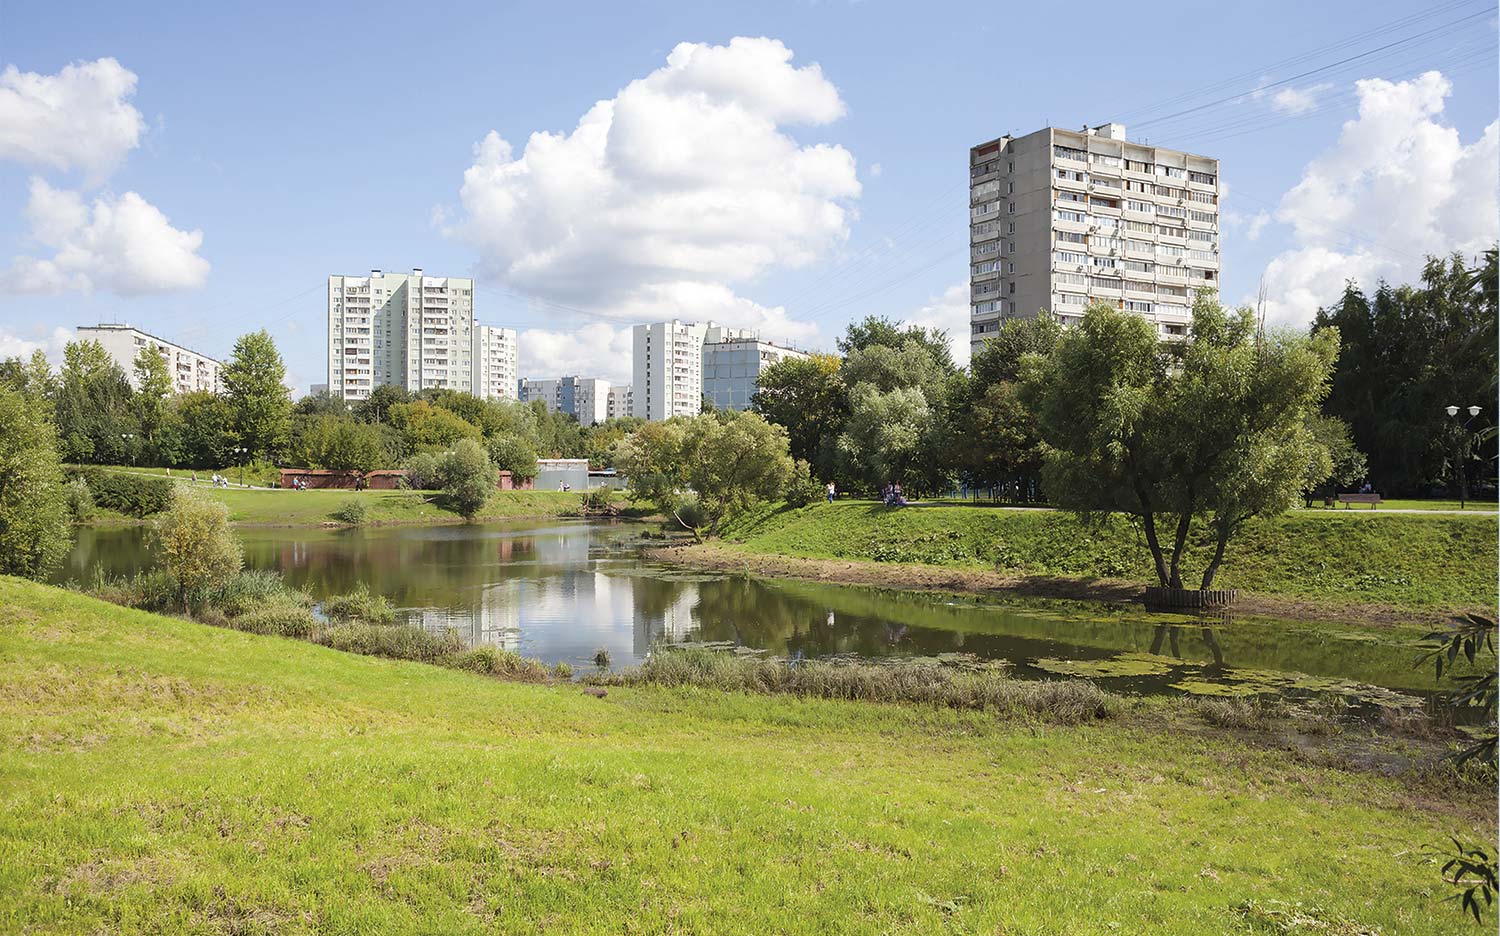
(560, 590)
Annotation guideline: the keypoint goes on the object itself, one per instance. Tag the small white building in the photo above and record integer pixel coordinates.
(190, 370)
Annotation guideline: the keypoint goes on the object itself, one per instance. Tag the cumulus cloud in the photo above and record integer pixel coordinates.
(1257, 224)
(949, 312)
(78, 118)
(1298, 100)
(667, 195)
(546, 354)
(1396, 186)
(50, 343)
(123, 244)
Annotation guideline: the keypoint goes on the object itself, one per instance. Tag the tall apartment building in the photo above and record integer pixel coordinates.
(667, 369)
(584, 398)
(408, 330)
(494, 360)
(190, 370)
(621, 398)
(1061, 218)
(550, 392)
(732, 363)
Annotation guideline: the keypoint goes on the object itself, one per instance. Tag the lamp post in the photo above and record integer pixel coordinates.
(239, 456)
(125, 438)
(1462, 455)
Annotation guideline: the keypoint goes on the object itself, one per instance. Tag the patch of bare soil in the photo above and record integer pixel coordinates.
(1011, 585)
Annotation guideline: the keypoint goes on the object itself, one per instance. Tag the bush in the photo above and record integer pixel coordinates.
(253, 589)
(155, 590)
(278, 621)
(563, 671)
(467, 477)
(196, 546)
(513, 454)
(352, 511)
(399, 642)
(600, 500)
(134, 495)
(421, 472)
(802, 489)
(33, 510)
(360, 605)
(80, 500)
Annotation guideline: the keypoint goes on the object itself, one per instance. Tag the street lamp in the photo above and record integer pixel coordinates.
(239, 456)
(125, 437)
(1461, 456)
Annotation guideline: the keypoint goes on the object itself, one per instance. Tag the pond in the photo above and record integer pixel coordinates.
(559, 590)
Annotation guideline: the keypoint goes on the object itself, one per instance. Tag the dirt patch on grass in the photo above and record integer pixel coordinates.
(1013, 585)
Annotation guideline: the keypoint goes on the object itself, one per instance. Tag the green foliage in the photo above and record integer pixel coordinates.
(467, 477)
(352, 511)
(376, 408)
(359, 606)
(338, 443)
(514, 454)
(1472, 871)
(720, 463)
(895, 431)
(1407, 352)
(135, 495)
(153, 389)
(879, 332)
(1471, 639)
(1335, 462)
(94, 407)
(427, 427)
(801, 487)
(1213, 428)
(80, 500)
(254, 382)
(422, 472)
(33, 505)
(807, 397)
(202, 428)
(196, 546)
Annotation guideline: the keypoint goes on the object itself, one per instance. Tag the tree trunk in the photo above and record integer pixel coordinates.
(1225, 529)
(1148, 521)
(1179, 543)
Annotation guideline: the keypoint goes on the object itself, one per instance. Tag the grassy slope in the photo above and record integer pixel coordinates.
(159, 775)
(311, 508)
(1407, 560)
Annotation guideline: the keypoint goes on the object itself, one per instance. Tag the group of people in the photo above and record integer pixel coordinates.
(891, 495)
(218, 480)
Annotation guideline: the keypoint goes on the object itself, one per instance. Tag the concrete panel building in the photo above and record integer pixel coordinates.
(667, 369)
(190, 370)
(407, 330)
(494, 359)
(732, 362)
(1061, 218)
(620, 399)
(584, 398)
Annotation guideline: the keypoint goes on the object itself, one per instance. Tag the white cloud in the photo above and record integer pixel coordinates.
(1257, 224)
(667, 195)
(122, 244)
(546, 354)
(49, 343)
(950, 312)
(875, 170)
(1298, 100)
(77, 118)
(1396, 186)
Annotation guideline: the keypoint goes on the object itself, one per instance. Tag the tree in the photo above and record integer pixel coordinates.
(153, 388)
(255, 385)
(423, 425)
(877, 331)
(376, 407)
(33, 506)
(31, 376)
(203, 426)
(196, 545)
(322, 403)
(807, 397)
(705, 470)
(1212, 429)
(94, 416)
(514, 454)
(339, 444)
(1336, 462)
(883, 440)
(466, 477)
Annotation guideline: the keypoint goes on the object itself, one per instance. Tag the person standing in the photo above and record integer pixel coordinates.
(831, 492)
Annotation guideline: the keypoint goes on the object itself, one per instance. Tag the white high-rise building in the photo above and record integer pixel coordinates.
(494, 360)
(1061, 218)
(620, 400)
(732, 362)
(190, 370)
(408, 330)
(668, 369)
(584, 398)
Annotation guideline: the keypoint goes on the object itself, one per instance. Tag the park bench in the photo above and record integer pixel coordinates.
(1372, 499)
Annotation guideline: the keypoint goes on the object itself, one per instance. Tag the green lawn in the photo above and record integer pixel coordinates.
(1400, 503)
(1442, 561)
(163, 776)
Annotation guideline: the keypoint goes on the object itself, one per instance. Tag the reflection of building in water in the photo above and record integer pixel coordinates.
(496, 622)
(663, 614)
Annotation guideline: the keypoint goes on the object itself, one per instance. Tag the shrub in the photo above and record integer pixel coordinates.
(421, 472)
(196, 546)
(562, 671)
(601, 659)
(278, 620)
(514, 454)
(400, 642)
(33, 510)
(352, 511)
(802, 488)
(155, 590)
(80, 500)
(467, 477)
(360, 605)
(134, 495)
(600, 500)
(252, 589)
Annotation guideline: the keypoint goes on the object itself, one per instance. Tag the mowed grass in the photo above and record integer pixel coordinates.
(1440, 561)
(158, 775)
(285, 507)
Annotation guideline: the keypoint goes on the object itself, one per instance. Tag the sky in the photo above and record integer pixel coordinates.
(199, 169)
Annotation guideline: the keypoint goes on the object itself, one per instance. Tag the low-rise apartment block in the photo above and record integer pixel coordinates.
(732, 364)
(1061, 218)
(190, 370)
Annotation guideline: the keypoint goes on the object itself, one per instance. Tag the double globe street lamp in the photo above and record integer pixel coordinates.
(1462, 452)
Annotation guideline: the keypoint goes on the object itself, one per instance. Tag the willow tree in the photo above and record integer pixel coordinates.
(1212, 429)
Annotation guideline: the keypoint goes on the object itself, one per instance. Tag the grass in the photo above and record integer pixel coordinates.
(1401, 503)
(161, 775)
(1404, 560)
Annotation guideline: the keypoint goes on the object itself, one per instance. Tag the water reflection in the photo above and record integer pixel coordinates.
(560, 590)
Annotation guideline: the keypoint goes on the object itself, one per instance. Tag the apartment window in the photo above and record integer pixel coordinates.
(1071, 279)
(984, 188)
(1101, 202)
(1206, 198)
(1010, 228)
(1063, 256)
(1167, 250)
(1171, 172)
(1105, 243)
(1106, 160)
(1072, 175)
(984, 230)
(981, 168)
(1197, 254)
(1170, 211)
(1140, 227)
(1068, 237)
(988, 266)
(1067, 152)
(984, 308)
(1072, 197)
(1180, 291)
(979, 211)
(1142, 207)
(1012, 289)
(1105, 224)
(1207, 236)
(1203, 217)
(1166, 191)
(1139, 266)
(1062, 214)
(1012, 207)
(1143, 188)
(1098, 282)
(1135, 305)
(1073, 299)
(1010, 248)
(1165, 231)
(1135, 165)
(1104, 263)
(1010, 188)
(987, 248)
(1202, 177)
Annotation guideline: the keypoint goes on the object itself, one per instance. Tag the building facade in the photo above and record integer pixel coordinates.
(494, 359)
(584, 398)
(549, 392)
(407, 330)
(190, 370)
(732, 365)
(1061, 218)
(619, 401)
(667, 369)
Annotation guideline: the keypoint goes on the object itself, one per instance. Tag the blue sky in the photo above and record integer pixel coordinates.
(308, 139)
